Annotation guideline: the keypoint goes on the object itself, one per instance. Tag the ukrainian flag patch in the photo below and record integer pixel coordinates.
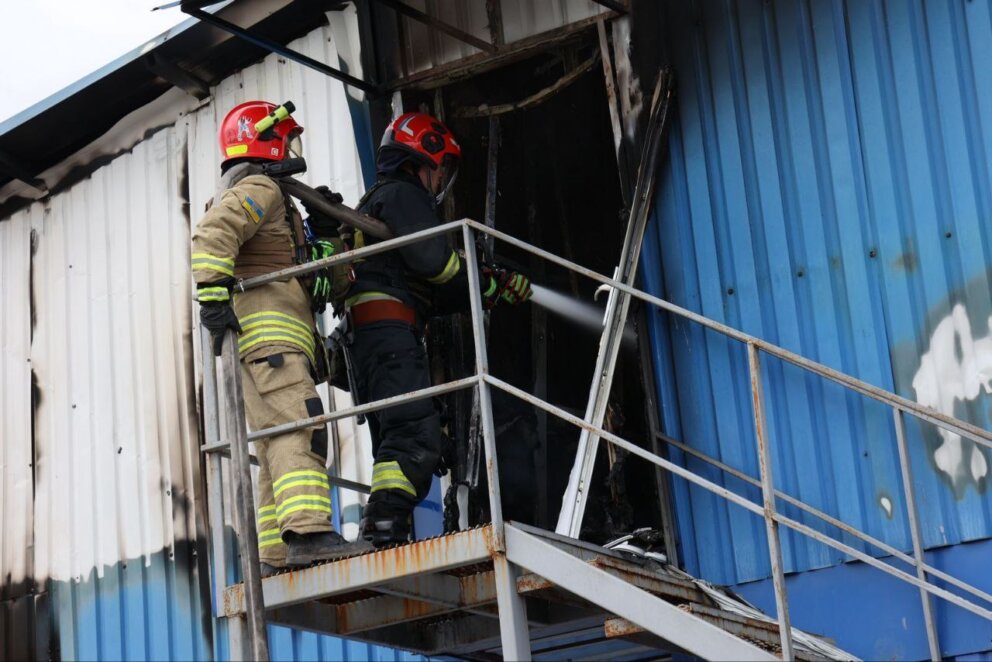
(255, 211)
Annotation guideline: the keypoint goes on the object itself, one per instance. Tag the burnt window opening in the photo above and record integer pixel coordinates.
(558, 188)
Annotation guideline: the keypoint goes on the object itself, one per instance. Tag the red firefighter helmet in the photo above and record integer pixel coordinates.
(239, 139)
(426, 140)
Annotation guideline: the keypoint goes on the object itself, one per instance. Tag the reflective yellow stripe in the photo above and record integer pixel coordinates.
(403, 485)
(450, 270)
(212, 294)
(269, 533)
(277, 336)
(274, 316)
(389, 476)
(229, 261)
(223, 265)
(270, 543)
(320, 504)
(266, 518)
(302, 497)
(302, 483)
(303, 478)
(271, 325)
(247, 330)
(267, 509)
(307, 506)
(302, 473)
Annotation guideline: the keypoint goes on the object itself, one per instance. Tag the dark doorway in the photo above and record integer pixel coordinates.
(557, 188)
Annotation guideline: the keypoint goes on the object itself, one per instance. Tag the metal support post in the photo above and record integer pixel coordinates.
(768, 496)
(485, 398)
(513, 627)
(912, 513)
(244, 501)
(215, 487)
(512, 612)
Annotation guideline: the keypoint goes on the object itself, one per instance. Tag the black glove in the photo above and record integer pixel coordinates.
(322, 224)
(449, 456)
(216, 312)
(511, 287)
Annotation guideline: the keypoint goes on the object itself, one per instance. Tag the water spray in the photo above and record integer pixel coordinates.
(587, 315)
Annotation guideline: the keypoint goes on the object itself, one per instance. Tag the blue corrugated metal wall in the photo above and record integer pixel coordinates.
(828, 190)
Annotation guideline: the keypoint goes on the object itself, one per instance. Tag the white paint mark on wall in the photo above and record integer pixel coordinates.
(886, 504)
(957, 367)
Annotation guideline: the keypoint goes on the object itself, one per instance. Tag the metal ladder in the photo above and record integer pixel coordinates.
(514, 590)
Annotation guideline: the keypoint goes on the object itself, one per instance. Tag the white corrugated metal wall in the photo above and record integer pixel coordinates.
(116, 436)
(16, 470)
(113, 521)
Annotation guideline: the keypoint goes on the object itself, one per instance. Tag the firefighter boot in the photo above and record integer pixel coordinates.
(305, 549)
(383, 524)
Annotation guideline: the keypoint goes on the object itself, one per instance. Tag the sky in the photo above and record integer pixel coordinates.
(46, 45)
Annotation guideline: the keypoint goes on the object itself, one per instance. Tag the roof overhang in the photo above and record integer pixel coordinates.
(192, 56)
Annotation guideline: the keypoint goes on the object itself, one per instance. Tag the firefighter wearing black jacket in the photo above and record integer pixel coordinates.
(390, 298)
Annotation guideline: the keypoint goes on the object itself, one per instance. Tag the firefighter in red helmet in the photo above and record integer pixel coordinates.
(250, 229)
(391, 296)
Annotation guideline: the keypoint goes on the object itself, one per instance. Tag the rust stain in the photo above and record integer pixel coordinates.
(234, 600)
(380, 567)
(343, 622)
(620, 627)
(531, 583)
(477, 589)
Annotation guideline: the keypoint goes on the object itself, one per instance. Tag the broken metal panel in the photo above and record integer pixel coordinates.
(521, 20)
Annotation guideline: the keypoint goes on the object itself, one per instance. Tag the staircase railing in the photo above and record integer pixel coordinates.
(233, 438)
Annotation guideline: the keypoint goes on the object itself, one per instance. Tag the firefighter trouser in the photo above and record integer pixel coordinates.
(294, 493)
(406, 439)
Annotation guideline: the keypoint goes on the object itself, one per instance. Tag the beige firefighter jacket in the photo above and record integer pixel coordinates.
(245, 233)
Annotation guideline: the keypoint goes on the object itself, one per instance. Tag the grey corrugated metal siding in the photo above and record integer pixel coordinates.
(828, 190)
(426, 47)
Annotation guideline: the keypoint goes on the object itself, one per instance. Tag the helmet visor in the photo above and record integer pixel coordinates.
(295, 146)
(449, 173)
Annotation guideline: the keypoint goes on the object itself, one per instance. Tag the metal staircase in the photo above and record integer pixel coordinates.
(505, 589)
(439, 597)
